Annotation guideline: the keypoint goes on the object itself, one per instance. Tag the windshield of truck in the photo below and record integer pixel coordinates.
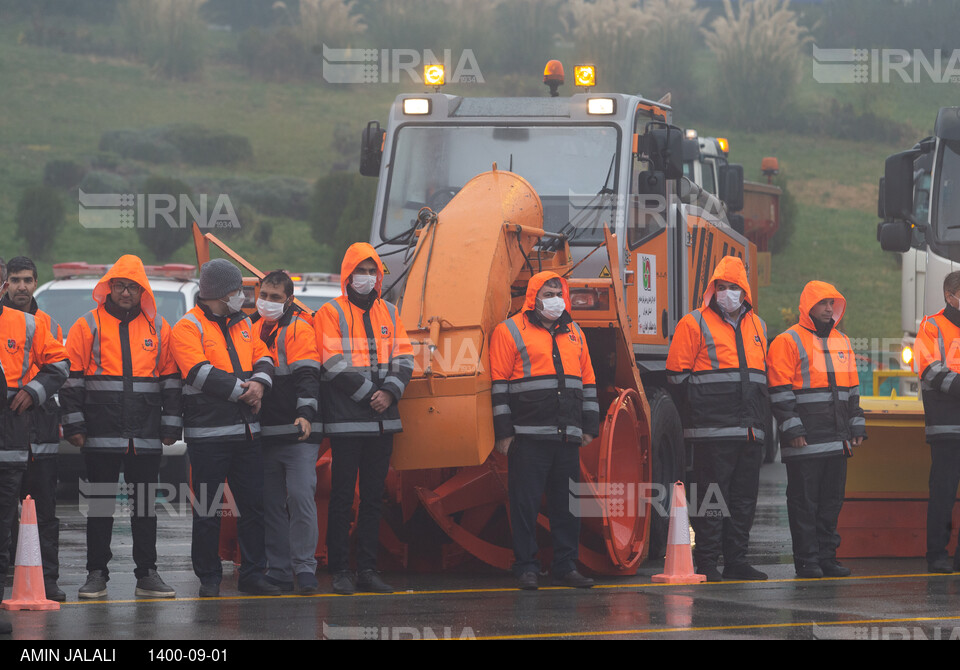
(947, 197)
(66, 305)
(573, 169)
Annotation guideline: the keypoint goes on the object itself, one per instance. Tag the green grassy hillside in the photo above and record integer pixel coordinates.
(57, 106)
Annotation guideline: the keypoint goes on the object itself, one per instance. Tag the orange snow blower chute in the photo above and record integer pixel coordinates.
(468, 272)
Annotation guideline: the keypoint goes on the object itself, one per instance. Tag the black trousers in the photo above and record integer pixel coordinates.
(10, 481)
(40, 483)
(944, 479)
(727, 480)
(538, 467)
(368, 458)
(103, 475)
(211, 466)
(815, 488)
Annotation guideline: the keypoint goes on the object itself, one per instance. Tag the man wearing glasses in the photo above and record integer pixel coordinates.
(120, 403)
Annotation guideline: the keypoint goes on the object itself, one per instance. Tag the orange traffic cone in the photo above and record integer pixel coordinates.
(28, 591)
(678, 568)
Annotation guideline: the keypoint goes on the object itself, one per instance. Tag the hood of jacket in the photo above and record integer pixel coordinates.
(128, 267)
(813, 293)
(536, 283)
(356, 254)
(730, 269)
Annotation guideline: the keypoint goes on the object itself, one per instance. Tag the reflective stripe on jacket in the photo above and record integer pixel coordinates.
(543, 381)
(124, 386)
(216, 355)
(26, 343)
(362, 351)
(45, 429)
(814, 386)
(296, 380)
(717, 371)
(937, 352)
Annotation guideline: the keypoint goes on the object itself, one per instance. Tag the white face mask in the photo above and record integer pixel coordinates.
(363, 284)
(552, 308)
(270, 311)
(235, 302)
(730, 300)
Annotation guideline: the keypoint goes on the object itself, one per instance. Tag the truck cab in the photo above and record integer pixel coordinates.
(919, 205)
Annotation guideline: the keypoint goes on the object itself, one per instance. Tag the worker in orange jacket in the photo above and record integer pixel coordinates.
(937, 352)
(815, 393)
(717, 371)
(367, 362)
(119, 406)
(226, 372)
(544, 409)
(40, 479)
(25, 344)
(292, 434)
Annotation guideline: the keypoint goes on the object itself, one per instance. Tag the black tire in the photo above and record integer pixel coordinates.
(669, 464)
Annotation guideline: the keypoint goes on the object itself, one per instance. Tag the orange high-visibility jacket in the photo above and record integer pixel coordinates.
(124, 387)
(937, 352)
(543, 382)
(26, 343)
(45, 429)
(814, 386)
(717, 370)
(296, 380)
(362, 351)
(216, 355)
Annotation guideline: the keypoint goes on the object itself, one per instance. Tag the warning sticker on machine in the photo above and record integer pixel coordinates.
(647, 294)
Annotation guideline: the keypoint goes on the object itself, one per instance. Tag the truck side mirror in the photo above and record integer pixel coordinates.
(898, 186)
(731, 186)
(371, 149)
(691, 149)
(894, 235)
(663, 145)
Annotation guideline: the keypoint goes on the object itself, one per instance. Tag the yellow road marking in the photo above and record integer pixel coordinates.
(507, 589)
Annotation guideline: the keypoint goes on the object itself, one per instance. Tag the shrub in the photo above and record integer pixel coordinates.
(157, 234)
(276, 196)
(170, 144)
(201, 146)
(758, 51)
(669, 49)
(341, 209)
(608, 33)
(167, 35)
(282, 54)
(99, 181)
(63, 173)
(39, 217)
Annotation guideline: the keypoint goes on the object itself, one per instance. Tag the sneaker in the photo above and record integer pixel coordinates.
(369, 580)
(151, 586)
(576, 580)
(258, 586)
(743, 571)
(5, 627)
(343, 583)
(95, 587)
(528, 581)
(283, 585)
(940, 565)
(834, 569)
(209, 590)
(808, 570)
(54, 592)
(307, 583)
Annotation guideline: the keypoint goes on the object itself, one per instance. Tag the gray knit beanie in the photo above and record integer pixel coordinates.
(219, 278)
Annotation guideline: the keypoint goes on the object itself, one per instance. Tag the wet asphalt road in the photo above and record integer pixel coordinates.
(885, 598)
